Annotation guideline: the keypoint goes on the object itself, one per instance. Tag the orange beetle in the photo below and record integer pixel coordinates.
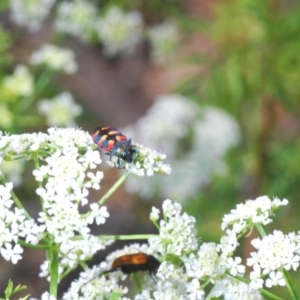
(131, 263)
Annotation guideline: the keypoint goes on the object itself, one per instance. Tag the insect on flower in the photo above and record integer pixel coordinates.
(131, 263)
(115, 143)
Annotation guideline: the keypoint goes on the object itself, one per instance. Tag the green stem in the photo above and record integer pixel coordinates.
(156, 225)
(42, 81)
(127, 237)
(138, 282)
(37, 167)
(54, 272)
(67, 272)
(15, 198)
(36, 247)
(289, 284)
(269, 295)
(113, 188)
(39, 86)
(260, 230)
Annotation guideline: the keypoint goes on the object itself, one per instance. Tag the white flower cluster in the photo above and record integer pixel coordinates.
(20, 83)
(201, 263)
(232, 289)
(274, 252)
(66, 154)
(58, 59)
(61, 110)
(101, 287)
(177, 237)
(245, 215)
(14, 225)
(198, 264)
(177, 234)
(119, 32)
(77, 18)
(164, 40)
(30, 13)
(195, 139)
(148, 162)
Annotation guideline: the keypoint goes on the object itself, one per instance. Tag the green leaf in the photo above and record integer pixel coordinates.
(115, 296)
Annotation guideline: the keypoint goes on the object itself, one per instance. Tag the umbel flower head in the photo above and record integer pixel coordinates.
(55, 58)
(30, 13)
(148, 162)
(119, 32)
(60, 110)
(77, 18)
(64, 164)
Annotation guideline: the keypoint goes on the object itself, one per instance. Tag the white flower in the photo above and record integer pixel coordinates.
(31, 231)
(11, 219)
(164, 40)
(154, 214)
(119, 32)
(235, 267)
(77, 18)
(61, 110)
(275, 278)
(58, 59)
(30, 13)
(228, 243)
(203, 263)
(194, 290)
(95, 179)
(245, 215)
(99, 213)
(11, 253)
(20, 83)
(256, 282)
(177, 233)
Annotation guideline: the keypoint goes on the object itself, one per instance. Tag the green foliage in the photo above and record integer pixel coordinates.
(4, 4)
(5, 43)
(115, 296)
(284, 170)
(254, 73)
(255, 57)
(10, 290)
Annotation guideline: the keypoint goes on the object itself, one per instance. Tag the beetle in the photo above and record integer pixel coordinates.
(115, 143)
(131, 263)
